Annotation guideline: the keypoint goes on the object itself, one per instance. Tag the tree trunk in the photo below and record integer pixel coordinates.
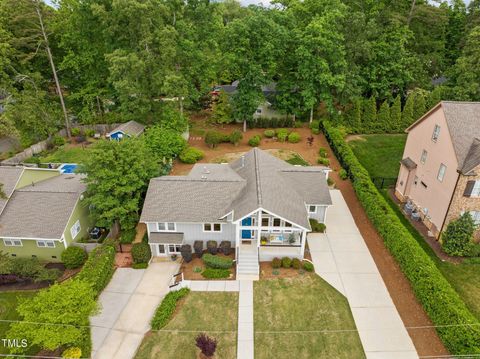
(244, 125)
(410, 15)
(311, 114)
(52, 64)
(293, 117)
(181, 105)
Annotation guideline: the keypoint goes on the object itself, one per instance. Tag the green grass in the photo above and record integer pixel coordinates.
(296, 159)
(8, 305)
(379, 154)
(464, 277)
(63, 154)
(306, 303)
(214, 313)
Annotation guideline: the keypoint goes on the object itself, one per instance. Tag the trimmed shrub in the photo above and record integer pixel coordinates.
(330, 181)
(317, 226)
(308, 266)
(58, 141)
(212, 247)
(206, 345)
(74, 257)
(286, 262)
(457, 240)
(323, 161)
(141, 252)
(314, 125)
(214, 273)
(198, 248)
(165, 310)
(127, 236)
(139, 265)
(322, 152)
(343, 174)
(226, 247)
(186, 252)
(72, 353)
(282, 134)
(254, 141)
(191, 155)
(217, 262)
(276, 263)
(296, 263)
(213, 138)
(235, 137)
(294, 137)
(99, 268)
(269, 133)
(426, 280)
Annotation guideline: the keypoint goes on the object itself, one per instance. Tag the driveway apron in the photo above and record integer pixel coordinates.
(127, 306)
(342, 259)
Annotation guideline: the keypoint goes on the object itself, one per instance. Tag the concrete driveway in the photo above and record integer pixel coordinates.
(341, 257)
(128, 304)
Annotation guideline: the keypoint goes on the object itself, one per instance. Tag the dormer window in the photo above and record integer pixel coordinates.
(436, 133)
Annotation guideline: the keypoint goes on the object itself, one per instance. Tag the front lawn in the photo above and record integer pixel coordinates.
(379, 154)
(8, 305)
(290, 315)
(214, 313)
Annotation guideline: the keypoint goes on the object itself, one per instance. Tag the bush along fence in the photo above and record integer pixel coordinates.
(99, 268)
(458, 328)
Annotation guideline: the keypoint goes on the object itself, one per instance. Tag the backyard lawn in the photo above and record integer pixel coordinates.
(214, 313)
(290, 315)
(379, 154)
(8, 303)
(64, 154)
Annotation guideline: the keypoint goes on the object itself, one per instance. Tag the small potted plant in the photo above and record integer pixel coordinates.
(174, 257)
(206, 345)
(263, 240)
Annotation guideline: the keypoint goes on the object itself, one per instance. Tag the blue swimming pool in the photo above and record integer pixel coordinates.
(68, 168)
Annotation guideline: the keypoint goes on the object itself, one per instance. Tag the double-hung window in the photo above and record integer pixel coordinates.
(75, 230)
(476, 189)
(441, 172)
(423, 159)
(212, 227)
(312, 209)
(436, 133)
(12, 242)
(166, 227)
(475, 216)
(46, 244)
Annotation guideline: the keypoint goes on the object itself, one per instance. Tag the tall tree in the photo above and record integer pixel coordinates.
(384, 123)
(407, 112)
(419, 106)
(369, 114)
(396, 115)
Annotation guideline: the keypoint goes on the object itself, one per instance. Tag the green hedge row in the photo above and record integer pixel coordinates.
(99, 268)
(217, 262)
(458, 328)
(167, 308)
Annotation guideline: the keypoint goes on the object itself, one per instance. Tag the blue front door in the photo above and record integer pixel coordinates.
(246, 233)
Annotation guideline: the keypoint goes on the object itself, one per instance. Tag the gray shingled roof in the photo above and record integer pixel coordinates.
(41, 210)
(165, 238)
(255, 180)
(131, 128)
(463, 120)
(409, 163)
(9, 177)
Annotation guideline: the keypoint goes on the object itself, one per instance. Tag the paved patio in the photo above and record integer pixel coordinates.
(128, 304)
(341, 257)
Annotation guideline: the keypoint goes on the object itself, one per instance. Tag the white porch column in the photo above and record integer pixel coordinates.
(304, 240)
(237, 239)
(259, 227)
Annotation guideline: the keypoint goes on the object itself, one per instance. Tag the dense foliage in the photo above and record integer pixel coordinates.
(99, 268)
(141, 252)
(427, 281)
(457, 240)
(122, 60)
(74, 257)
(166, 309)
(14, 269)
(217, 262)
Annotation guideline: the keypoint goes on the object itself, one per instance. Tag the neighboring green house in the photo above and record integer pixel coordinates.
(41, 213)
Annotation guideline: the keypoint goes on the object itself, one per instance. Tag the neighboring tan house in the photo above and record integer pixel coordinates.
(127, 129)
(259, 203)
(440, 170)
(41, 213)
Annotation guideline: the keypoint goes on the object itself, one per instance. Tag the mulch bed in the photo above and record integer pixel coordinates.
(189, 274)
(426, 340)
(29, 284)
(431, 241)
(267, 272)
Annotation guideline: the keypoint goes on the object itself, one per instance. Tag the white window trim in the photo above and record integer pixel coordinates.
(475, 216)
(45, 244)
(312, 205)
(269, 222)
(212, 228)
(166, 227)
(435, 139)
(77, 223)
(12, 242)
(173, 252)
(440, 170)
(423, 157)
(476, 189)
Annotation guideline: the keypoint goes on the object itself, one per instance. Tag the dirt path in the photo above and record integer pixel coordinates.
(426, 340)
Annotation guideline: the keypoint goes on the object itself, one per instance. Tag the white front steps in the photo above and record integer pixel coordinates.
(247, 264)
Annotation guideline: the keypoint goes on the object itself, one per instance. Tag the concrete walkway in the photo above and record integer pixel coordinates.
(128, 304)
(212, 285)
(341, 257)
(245, 321)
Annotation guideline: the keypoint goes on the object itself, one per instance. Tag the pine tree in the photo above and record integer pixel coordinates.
(222, 109)
(396, 115)
(407, 113)
(369, 115)
(384, 123)
(355, 116)
(419, 106)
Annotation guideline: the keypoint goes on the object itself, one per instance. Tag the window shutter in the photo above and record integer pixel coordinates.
(469, 189)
